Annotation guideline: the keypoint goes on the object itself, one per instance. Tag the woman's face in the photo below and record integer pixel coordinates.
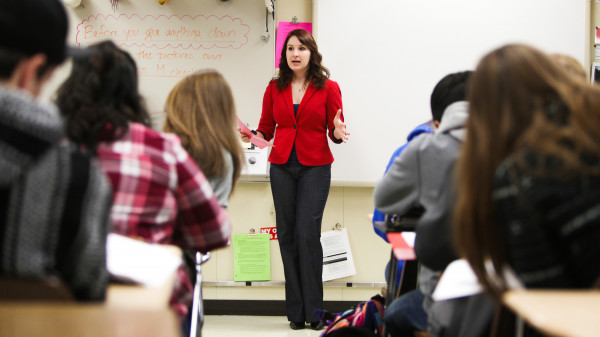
(297, 55)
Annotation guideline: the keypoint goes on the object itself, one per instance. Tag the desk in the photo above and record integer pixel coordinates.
(129, 310)
(90, 320)
(573, 313)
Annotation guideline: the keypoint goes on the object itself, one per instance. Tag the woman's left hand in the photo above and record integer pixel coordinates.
(340, 131)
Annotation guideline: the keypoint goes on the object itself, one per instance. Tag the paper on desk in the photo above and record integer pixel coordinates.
(409, 237)
(458, 280)
(261, 143)
(136, 261)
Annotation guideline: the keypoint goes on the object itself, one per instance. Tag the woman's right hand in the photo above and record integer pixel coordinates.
(245, 138)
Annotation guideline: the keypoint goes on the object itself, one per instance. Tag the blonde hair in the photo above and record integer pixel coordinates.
(200, 109)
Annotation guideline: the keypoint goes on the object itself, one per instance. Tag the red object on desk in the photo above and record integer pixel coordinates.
(402, 249)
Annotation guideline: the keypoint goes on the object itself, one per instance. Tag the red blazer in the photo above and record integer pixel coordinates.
(308, 130)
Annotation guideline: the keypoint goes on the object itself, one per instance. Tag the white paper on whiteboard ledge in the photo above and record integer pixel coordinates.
(135, 261)
(337, 257)
(257, 161)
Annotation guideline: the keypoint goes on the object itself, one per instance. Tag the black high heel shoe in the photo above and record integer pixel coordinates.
(297, 325)
(317, 325)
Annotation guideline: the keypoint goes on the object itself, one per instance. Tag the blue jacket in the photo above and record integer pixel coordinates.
(378, 216)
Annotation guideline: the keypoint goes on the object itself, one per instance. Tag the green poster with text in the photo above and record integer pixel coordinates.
(251, 257)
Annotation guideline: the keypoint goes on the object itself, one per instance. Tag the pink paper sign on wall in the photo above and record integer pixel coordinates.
(282, 31)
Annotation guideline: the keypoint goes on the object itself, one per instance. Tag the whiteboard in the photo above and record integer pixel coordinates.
(180, 37)
(387, 56)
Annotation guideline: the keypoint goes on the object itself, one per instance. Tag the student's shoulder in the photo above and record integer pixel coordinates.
(164, 142)
(80, 165)
(419, 142)
(420, 129)
(151, 136)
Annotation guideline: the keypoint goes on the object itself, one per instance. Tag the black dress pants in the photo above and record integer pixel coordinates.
(299, 195)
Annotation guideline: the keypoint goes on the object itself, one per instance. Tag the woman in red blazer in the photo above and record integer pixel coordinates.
(301, 108)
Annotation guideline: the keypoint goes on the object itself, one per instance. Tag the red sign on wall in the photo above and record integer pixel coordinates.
(272, 231)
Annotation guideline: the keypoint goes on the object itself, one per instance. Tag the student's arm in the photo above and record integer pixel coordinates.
(398, 190)
(378, 216)
(434, 242)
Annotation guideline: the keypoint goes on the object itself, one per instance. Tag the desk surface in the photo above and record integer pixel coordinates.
(94, 320)
(129, 310)
(570, 313)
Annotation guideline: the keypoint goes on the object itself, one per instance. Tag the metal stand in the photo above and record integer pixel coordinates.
(197, 305)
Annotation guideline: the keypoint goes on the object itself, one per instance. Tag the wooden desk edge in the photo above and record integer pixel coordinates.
(531, 306)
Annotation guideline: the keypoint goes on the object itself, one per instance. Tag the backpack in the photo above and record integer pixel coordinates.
(367, 314)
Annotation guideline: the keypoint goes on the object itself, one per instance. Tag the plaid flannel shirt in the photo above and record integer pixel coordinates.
(161, 196)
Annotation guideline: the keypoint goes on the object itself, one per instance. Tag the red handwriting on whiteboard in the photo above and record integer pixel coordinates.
(164, 31)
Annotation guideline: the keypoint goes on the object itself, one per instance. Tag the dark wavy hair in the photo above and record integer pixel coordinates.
(317, 73)
(100, 98)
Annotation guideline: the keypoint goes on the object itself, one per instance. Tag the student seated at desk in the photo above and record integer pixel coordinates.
(530, 173)
(378, 216)
(159, 193)
(54, 202)
(414, 180)
(201, 111)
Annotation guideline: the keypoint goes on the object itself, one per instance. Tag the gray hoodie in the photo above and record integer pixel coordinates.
(421, 173)
(417, 174)
(55, 203)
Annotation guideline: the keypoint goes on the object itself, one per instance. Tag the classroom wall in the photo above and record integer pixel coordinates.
(251, 206)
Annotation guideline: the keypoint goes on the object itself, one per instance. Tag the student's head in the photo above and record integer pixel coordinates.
(200, 109)
(32, 42)
(316, 71)
(100, 97)
(519, 97)
(514, 87)
(450, 89)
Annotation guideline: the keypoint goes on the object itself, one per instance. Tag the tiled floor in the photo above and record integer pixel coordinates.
(252, 326)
